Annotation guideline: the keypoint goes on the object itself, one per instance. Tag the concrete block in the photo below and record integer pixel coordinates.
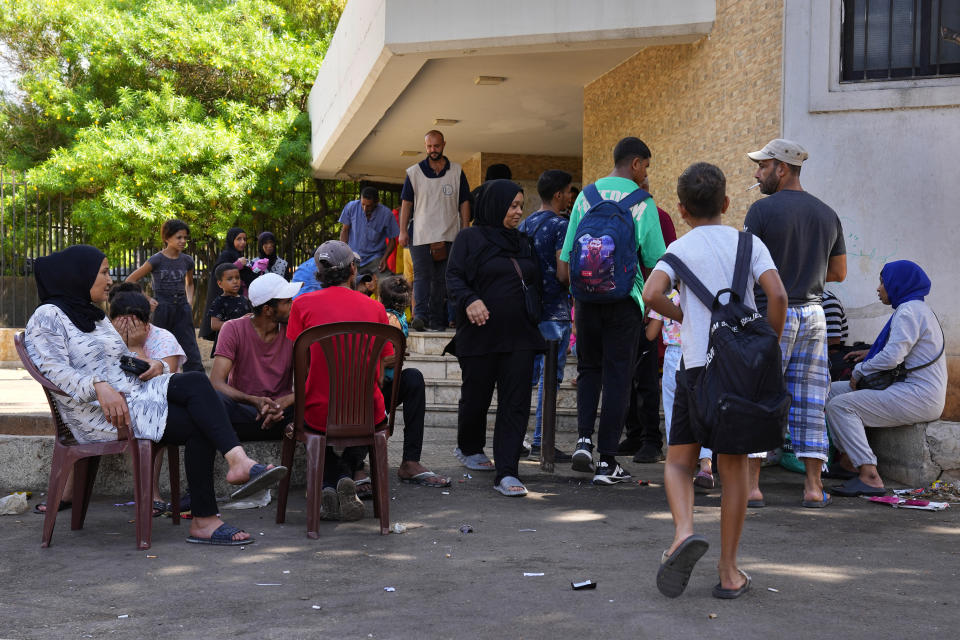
(903, 454)
(943, 440)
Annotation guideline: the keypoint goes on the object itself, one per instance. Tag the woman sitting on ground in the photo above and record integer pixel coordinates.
(496, 340)
(912, 336)
(73, 344)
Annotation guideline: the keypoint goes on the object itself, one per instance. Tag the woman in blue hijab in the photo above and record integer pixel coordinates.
(911, 336)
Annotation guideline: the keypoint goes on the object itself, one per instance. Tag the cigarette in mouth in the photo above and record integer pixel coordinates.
(753, 187)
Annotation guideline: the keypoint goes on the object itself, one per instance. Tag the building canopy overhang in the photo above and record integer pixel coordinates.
(503, 76)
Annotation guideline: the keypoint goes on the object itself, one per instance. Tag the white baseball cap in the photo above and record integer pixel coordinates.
(271, 286)
(783, 150)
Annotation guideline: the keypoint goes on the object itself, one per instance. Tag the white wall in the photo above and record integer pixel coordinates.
(890, 171)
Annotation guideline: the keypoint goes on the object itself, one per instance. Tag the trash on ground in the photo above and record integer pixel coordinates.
(527, 574)
(316, 606)
(528, 530)
(151, 556)
(255, 501)
(399, 528)
(773, 590)
(269, 584)
(643, 483)
(899, 502)
(390, 589)
(446, 493)
(124, 504)
(14, 504)
(123, 615)
(466, 529)
(585, 584)
(940, 491)
(712, 616)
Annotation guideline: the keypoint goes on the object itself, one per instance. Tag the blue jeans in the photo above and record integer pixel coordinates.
(551, 330)
(429, 287)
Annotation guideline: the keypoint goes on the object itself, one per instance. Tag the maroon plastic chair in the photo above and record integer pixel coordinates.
(84, 460)
(352, 353)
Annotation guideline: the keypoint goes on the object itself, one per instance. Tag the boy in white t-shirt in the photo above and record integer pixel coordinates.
(709, 250)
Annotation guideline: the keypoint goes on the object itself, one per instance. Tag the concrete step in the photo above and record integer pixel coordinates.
(448, 392)
(439, 367)
(445, 416)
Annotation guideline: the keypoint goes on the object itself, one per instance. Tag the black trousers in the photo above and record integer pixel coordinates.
(342, 465)
(510, 373)
(412, 396)
(642, 424)
(196, 419)
(243, 417)
(173, 314)
(606, 353)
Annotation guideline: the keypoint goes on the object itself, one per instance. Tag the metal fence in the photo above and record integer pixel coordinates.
(32, 226)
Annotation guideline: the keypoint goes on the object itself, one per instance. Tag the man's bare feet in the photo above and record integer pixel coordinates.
(410, 469)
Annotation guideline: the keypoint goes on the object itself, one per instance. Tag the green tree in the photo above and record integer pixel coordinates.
(150, 109)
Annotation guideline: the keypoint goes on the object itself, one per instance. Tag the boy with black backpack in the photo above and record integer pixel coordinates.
(609, 222)
(730, 393)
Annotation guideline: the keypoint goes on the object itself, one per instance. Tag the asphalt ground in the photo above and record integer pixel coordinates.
(852, 570)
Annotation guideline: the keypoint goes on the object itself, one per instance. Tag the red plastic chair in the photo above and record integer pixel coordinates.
(84, 459)
(352, 353)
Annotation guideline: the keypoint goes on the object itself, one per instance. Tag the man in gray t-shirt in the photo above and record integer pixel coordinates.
(805, 239)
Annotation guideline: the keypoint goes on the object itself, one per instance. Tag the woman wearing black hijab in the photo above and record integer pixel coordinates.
(267, 246)
(232, 253)
(77, 348)
(490, 265)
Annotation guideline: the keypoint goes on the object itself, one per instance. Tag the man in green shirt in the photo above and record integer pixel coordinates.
(607, 332)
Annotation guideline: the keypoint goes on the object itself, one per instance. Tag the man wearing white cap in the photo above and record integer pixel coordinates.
(253, 364)
(805, 239)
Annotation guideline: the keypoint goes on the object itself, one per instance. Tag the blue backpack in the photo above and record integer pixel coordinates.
(603, 259)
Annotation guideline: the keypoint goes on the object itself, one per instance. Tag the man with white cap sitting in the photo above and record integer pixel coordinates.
(805, 239)
(253, 364)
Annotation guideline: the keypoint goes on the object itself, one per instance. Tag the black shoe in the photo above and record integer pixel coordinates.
(629, 446)
(526, 449)
(558, 456)
(417, 324)
(648, 453)
(582, 459)
(608, 473)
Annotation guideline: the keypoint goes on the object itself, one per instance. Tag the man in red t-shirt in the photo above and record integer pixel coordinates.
(336, 302)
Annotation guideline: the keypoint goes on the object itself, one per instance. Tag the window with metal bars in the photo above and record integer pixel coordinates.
(899, 39)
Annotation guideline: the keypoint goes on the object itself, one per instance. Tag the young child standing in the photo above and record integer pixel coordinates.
(172, 272)
(709, 250)
(671, 364)
(230, 304)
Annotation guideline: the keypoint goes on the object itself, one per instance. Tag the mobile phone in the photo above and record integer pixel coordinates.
(135, 366)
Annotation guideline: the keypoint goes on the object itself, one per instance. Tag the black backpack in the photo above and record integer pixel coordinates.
(740, 403)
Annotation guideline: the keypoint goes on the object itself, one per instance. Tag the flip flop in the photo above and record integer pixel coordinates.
(675, 569)
(756, 504)
(508, 482)
(364, 488)
(64, 504)
(730, 594)
(260, 478)
(817, 504)
(856, 487)
(160, 507)
(703, 480)
(423, 479)
(223, 536)
(474, 462)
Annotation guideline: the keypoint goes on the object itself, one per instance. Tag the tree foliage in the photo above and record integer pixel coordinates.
(152, 109)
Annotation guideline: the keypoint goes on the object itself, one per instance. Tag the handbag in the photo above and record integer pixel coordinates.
(531, 296)
(880, 380)
(438, 251)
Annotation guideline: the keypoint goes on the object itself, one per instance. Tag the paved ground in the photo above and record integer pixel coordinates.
(853, 570)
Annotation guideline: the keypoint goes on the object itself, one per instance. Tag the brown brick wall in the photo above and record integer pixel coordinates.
(713, 100)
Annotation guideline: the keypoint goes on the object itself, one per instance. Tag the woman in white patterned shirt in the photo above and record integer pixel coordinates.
(73, 344)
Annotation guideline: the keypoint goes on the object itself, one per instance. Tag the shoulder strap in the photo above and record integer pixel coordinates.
(742, 266)
(637, 196)
(943, 345)
(693, 282)
(591, 195)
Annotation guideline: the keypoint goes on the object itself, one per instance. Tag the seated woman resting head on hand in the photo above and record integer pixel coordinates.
(73, 344)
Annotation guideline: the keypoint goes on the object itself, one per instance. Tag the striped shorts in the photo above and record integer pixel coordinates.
(806, 371)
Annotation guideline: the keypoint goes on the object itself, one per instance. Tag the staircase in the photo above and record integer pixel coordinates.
(442, 377)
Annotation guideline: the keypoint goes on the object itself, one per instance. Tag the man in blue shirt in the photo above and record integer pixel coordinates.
(548, 229)
(371, 231)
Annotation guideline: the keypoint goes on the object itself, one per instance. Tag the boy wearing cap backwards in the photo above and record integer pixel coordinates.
(253, 363)
(709, 250)
(336, 302)
(805, 239)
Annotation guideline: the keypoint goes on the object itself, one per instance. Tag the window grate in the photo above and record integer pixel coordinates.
(899, 39)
